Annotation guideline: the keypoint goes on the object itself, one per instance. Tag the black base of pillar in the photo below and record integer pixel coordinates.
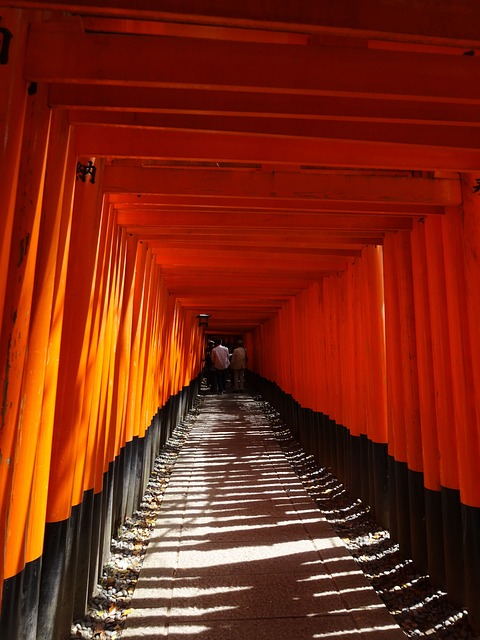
(453, 546)
(20, 603)
(418, 534)
(471, 550)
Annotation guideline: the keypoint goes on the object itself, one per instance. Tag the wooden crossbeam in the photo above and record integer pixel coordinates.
(195, 63)
(447, 23)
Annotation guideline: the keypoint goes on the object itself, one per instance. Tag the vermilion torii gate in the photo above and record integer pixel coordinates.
(305, 175)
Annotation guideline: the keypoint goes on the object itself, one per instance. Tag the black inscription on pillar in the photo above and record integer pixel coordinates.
(5, 39)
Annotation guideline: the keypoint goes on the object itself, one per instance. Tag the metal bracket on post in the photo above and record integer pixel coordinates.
(5, 38)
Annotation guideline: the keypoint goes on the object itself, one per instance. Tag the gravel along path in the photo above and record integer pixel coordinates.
(420, 610)
(109, 607)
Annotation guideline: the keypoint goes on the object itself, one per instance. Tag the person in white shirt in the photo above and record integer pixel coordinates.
(221, 362)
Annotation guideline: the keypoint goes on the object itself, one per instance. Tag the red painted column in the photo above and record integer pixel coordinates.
(374, 459)
(319, 401)
(332, 310)
(471, 315)
(317, 362)
(373, 308)
(144, 415)
(74, 349)
(402, 395)
(445, 410)
(349, 352)
(13, 101)
(132, 398)
(53, 259)
(24, 344)
(125, 340)
(441, 352)
(435, 560)
(402, 369)
(470, 445)
(464, 401)
(99, 349)
(426, 387)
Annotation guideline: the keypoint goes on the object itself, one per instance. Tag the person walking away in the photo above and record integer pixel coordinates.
(221, 362)
(238, 364)
(209, 368)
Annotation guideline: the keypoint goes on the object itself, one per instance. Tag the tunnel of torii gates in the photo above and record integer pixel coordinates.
(306, 176)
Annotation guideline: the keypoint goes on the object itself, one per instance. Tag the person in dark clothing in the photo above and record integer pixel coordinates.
(238, 363)
(208, 366)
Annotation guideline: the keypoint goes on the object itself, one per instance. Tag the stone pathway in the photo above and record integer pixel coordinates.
(240, 550)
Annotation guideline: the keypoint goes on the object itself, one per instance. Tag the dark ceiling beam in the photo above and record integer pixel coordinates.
(460, 136)
(269, 261)
(88, 97)
(263, 222)
(240, 241)
(296, 188)
(123, 142)
(247, 66)
(397, 20)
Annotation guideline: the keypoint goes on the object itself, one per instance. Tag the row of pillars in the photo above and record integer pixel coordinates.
(390, 352)
(95, 357)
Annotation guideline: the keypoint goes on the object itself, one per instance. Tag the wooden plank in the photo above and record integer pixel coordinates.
(286, 189)
(214, 64)
(98, 140)
(437, 22)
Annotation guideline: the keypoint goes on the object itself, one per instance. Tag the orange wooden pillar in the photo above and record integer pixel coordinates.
(347, 423)
(428, 414)
(132, 429)
(249, 343)
(464, 402)
(368, 415)
(332, 309)
(16, 328)
(462, 242)
(164, 345)
(96, 432)
(319, 395)
(444, 402)
(314, 349)
(42, 216)
(374, 372)
(372, 306)
(63, 522)
(470, 446)
(143, 415)
(341, 353)
(13, 101)
(463, 357)
(327, 342)
(349, 349)
(320, 403)
(128, 364)
(332, 370)
(303, 373)
(402, 392)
